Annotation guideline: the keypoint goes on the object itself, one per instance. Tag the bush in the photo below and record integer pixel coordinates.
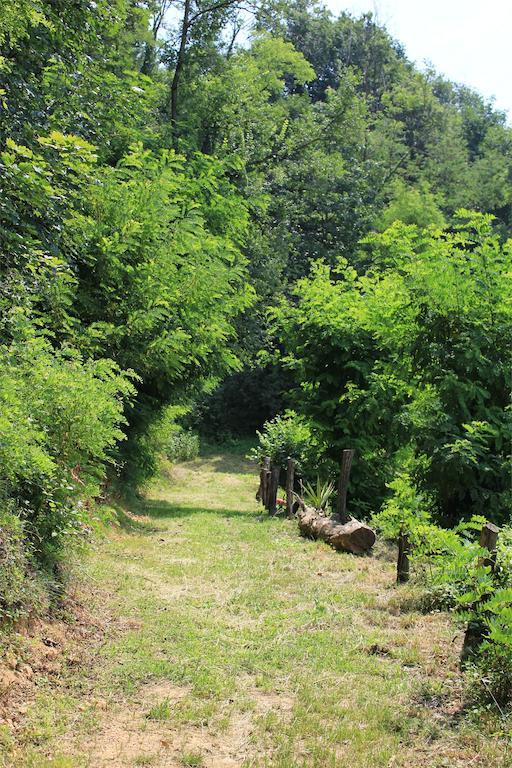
(489, 677)
(18, 590)
(288, 436)
(456, 579)
(182, 446)
(412, 348)
(60, 422)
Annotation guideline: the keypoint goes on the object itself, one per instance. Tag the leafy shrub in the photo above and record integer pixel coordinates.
(60, 422)
(489, 676)
(138, 262)
(183, 446)
(287, 436)
(19, 590)
(406, 510)
(452, 567)
(412, 348)
(489, 671)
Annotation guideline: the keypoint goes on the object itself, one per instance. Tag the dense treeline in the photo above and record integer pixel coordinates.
(168, 176)
(406, 357)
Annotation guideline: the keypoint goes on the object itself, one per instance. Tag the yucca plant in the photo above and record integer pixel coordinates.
(317, 496)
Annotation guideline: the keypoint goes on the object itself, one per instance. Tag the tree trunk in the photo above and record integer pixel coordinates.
(352, 536)
(180, 61)
(488, 540)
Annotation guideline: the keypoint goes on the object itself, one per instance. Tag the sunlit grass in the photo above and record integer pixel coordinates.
(302, 649)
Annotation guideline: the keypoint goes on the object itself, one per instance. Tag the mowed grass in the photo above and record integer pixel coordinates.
(237, 643)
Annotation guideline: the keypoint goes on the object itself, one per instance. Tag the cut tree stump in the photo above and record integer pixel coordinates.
(352, 536)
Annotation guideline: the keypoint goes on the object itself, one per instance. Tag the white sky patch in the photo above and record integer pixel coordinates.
(468, 41)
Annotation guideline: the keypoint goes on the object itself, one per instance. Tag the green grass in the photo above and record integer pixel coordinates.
(235, 638)
(191, 759)
(161, 711)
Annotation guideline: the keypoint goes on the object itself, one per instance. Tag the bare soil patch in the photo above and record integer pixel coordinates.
(129, 735)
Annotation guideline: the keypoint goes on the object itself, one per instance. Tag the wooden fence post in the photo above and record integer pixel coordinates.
(264, 473)
(403, 565)
(488, 540)
(341, 500)
(268, 482)
(290, 476)
(475, 631)
(273, 487)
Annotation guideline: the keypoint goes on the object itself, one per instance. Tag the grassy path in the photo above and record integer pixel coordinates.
(237, 643)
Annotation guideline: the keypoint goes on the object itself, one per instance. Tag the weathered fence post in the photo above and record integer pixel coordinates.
(264, 475)
(475, 631)
(403, 565)
(273, 487)
(488, 540)
(290, 476)
(341, 500)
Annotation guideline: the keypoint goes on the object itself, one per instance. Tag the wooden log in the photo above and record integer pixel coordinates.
(262, 492)
(341, 499)
(403, 565)
(352, 536)
(290, 476)
(273, 487)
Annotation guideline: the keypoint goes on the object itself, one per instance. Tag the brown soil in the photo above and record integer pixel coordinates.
(128, 736)
(43, 649)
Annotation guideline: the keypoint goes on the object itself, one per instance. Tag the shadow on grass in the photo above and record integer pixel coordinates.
(229, 459)
(159, 509)
(131, 523)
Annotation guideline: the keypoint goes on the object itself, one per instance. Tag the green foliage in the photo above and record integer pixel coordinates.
(284, 437)
(182, 445)
(19, 591)
(406, 510)
(412, 353)
(139, 263)
(457, 577)
(319, 495)
(75, 69)
(164, 276)
(60, 424)
(412, 205)
(489, 677)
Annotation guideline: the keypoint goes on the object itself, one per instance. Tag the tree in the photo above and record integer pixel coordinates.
(199, 22)
(408, 362)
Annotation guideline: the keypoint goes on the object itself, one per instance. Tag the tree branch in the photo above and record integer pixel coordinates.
(210, 9)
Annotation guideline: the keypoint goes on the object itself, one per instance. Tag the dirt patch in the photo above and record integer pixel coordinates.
(143, 730)
(45, 649)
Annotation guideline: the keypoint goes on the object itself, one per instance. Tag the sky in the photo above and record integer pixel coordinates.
(469, 41)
